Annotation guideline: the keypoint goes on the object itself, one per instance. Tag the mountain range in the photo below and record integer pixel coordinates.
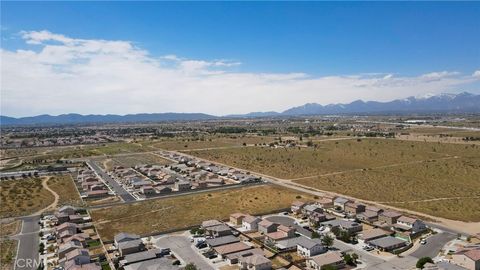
(444, 103)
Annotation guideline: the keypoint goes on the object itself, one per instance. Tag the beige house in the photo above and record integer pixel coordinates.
(237, 218)
(333, 258)
(468, 258)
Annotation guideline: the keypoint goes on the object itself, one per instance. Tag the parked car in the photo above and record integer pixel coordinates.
(213, 256)
(201, 245)
(423, 242)
(368, 248)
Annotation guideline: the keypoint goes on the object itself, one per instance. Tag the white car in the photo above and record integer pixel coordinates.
(423, 242)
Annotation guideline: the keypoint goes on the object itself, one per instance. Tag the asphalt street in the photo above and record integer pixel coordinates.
(27, 255)
(181, 246)
(127, 197)
(434, 245)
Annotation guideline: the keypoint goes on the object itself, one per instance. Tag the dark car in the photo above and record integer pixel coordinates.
(201, 245)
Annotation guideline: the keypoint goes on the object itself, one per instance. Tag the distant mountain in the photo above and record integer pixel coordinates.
(254, 114)
(109, 118)
(444, 103)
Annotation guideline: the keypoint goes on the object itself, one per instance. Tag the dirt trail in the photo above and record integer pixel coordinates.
(55, 195)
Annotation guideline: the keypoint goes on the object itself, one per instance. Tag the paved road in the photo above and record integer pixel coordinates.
(434, 245)
(127, 197)
(27, 254)
(181, 246)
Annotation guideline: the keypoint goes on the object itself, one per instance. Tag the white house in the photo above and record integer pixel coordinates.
(250, 223)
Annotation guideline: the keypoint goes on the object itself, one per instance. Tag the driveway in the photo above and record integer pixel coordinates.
(180, 245)
(434, 245)
(127, 197)
(27, 254)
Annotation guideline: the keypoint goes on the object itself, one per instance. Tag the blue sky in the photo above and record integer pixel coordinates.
(316, 39)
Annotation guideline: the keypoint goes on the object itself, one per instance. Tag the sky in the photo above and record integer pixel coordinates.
(231, 57)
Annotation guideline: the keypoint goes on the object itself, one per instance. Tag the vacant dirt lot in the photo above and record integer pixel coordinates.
(132, 160)
(63, 185)
(26, 196)
(178, 212)
(333, 156)
(399, 173)
(23, 197)
(210, 142)
(8, 249)
(9, 228)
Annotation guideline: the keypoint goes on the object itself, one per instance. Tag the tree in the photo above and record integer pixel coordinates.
(354, 257)
(327, 241)
(190, 266)
(315, 234)
(422, 261)
(348, 259)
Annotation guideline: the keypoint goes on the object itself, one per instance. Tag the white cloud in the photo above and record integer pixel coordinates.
(61, 74)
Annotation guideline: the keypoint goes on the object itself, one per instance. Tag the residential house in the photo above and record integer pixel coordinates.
(297, 206)
(67, 209)
(183, 185)
(283, 232)
(265, 226)
(412, 224)
(250, 223)
(352, 208)
(310, 247)
(219, 230)
(124, 237)
(220, 241)
(211, 223)
(339, 203)
(468, 258)
(325, 202)
(368, 216)
(387, 243)
(65, 248)
(67, 228)
(255, 262)
(77, 256)
(231, 248)
(373, 234)
(163, 190)
(147, 190)
(345, 225)
(333, 258)
(215, 181)
(314, 213)
(389, 217)
(131, 246)
(236, 218)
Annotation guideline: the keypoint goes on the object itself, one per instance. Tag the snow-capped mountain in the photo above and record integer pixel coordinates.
(462, 102)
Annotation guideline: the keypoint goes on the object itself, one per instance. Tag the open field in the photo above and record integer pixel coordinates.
(8, 249)
(9, 228)
(63, 185)
(464, 209)
(26, 196)
(399, 186)
(79, 151)
(333, 156)
(132, 160)
(210, 142)
(23, 197)
(179, 212)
